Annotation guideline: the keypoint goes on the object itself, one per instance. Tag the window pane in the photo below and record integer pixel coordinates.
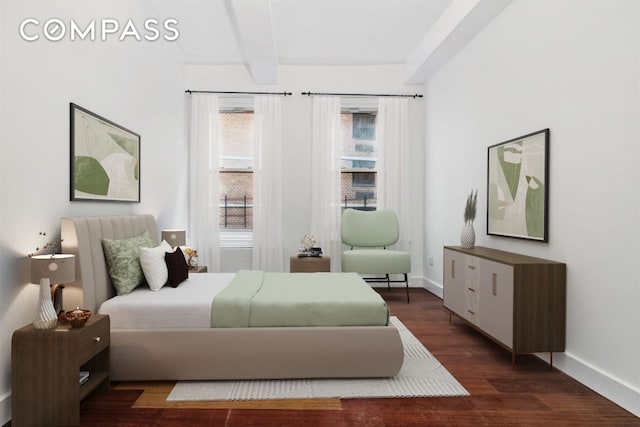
(357, 153)
(359, 161)
(236, 200)
(359, 192)
(364, 126)
(363, 179)
(236, 140)
(236, 175)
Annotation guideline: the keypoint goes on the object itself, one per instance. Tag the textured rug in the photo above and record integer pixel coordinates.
(421, 375)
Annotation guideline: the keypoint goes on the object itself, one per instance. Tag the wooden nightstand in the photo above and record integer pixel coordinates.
(310, 264)
(45, 368)
(198, 269)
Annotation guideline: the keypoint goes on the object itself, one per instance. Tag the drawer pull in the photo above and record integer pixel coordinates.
(97, 339)
(453, 268)
(471, 289)
(473, 267)
(494, 284)
(472, 312)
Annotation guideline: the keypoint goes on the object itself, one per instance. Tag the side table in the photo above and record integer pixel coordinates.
(45, 371)
(198, 269)
(310, 264)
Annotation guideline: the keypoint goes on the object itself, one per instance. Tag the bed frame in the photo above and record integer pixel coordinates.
(217, 353)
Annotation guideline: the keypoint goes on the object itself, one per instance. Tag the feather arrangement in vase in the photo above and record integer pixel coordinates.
(468, 235)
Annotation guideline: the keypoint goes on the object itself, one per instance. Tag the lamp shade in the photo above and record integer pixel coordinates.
(175, 237)
(58, 268)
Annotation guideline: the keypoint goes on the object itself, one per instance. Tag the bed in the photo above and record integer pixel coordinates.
(198, 352)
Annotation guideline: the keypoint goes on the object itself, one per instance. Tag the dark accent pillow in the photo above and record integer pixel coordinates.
(177, 266)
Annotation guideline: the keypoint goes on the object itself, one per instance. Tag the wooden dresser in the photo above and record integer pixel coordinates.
(516, 300)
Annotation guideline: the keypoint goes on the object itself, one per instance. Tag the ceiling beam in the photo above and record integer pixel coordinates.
(253, 27)
(457, 25)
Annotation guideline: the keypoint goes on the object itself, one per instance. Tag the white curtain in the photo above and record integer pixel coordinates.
(394, 161)
(325, 177)
(268, 244)
(204, 203)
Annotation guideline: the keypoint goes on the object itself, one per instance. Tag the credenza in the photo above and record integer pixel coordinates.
(517, 301)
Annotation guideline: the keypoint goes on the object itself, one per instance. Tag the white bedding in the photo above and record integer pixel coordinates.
(187, 306)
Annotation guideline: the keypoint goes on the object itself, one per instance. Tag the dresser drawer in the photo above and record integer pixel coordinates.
(94, 337)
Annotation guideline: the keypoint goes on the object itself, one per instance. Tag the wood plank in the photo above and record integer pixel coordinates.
(529, 394)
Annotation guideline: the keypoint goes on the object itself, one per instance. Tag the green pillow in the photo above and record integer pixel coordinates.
(123, 261)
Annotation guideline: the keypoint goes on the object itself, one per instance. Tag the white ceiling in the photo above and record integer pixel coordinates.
(262, 34)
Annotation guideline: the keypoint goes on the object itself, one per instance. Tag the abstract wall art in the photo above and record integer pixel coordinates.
(518, 187)
(105, 159)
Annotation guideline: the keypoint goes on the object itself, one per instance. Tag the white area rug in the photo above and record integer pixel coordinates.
(421, 375)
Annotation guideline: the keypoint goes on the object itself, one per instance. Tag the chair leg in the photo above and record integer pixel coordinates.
(406, 281)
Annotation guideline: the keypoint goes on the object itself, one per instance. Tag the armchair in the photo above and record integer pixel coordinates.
(369, 233)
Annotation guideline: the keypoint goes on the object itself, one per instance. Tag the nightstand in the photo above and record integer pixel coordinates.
(45, 368)
(198, 269)
(309, 264)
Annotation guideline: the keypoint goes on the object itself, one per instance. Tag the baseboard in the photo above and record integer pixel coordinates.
(5, 409)
(432, 287)
(614, 389)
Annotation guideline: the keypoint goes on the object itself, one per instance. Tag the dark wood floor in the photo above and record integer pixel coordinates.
(530, 394)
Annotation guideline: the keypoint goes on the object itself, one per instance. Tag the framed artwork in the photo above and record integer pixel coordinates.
(518, 187)
(105, 159)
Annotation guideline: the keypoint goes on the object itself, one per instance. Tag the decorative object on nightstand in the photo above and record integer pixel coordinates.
(192, 262)
(309, 248)
(48, 269)
(175, 237)
(76, 318)
(308, 242)
(468, 234)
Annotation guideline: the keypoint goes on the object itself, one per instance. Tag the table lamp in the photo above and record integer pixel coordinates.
(175, 237)
(47, 269)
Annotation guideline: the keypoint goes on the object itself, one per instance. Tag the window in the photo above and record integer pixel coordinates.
(363, 179)
(236, 178)
(359, 161)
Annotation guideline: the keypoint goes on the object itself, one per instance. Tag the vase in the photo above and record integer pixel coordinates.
(467, 236)
(46, 317)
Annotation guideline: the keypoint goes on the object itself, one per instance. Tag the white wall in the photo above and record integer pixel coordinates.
(141, 87)
(135, 84)
(297, 134)
(571, 66)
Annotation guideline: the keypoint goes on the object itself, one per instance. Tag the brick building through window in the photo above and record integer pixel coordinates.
(236, 170)
(358, 161)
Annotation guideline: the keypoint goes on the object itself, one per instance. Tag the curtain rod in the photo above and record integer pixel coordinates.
(417, 95)
(238, 93)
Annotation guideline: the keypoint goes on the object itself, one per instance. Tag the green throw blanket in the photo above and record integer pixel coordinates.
(256, 298)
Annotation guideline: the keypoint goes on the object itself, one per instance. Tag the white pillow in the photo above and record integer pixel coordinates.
(154, 266)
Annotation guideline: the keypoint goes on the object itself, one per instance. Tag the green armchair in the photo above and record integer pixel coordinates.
(369, 233)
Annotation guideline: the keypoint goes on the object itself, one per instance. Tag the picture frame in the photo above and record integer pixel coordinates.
(105, 159)
(518, 187)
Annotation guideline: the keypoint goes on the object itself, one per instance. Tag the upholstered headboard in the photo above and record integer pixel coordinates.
(82, 236)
